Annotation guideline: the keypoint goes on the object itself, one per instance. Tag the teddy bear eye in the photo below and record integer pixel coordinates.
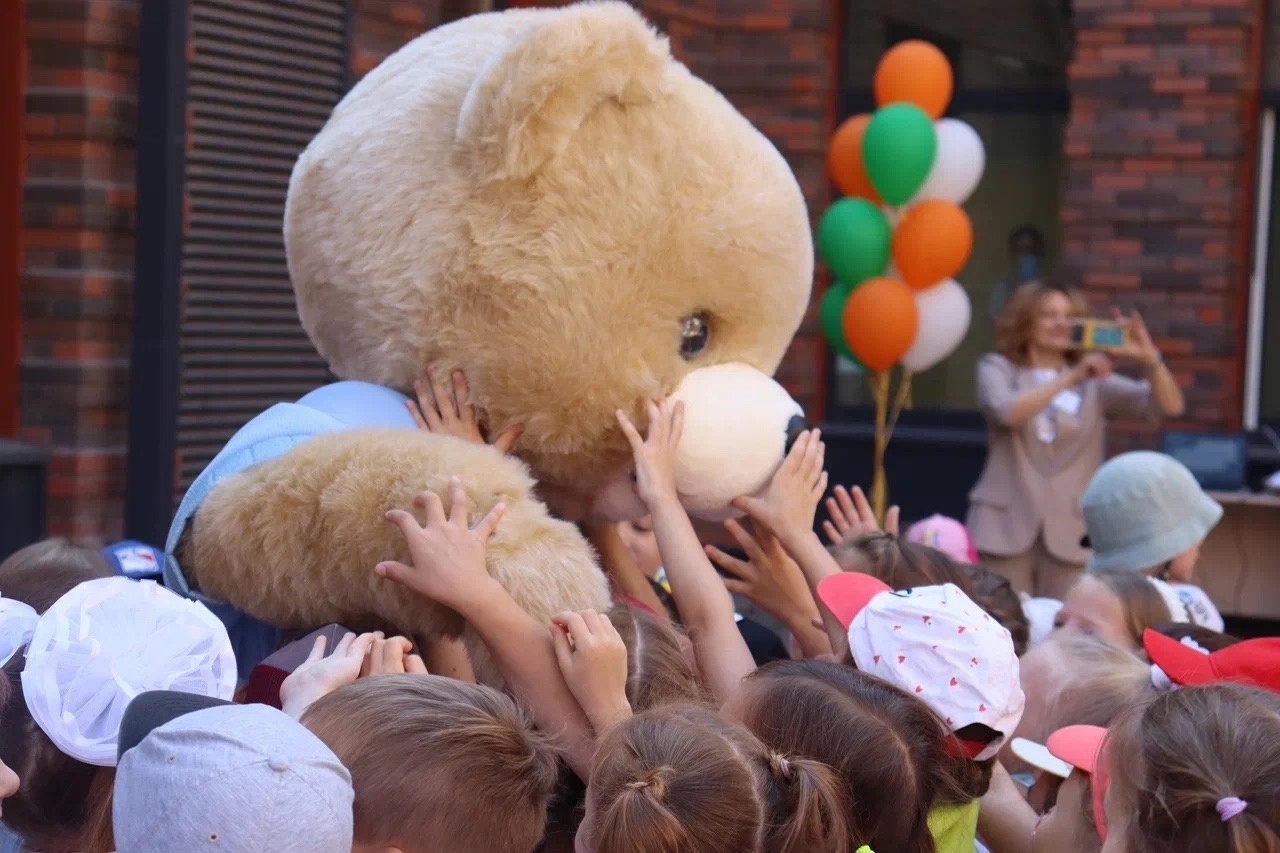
(694, 332)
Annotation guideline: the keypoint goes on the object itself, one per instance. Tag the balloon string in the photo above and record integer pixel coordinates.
(879, 484)
(901, 401)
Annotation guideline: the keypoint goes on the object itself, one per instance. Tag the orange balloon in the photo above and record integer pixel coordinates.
(844, 159)
(916, 72)
(932, 242)
(880, 322)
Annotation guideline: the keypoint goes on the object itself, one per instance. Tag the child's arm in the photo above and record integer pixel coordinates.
(773, 581)
(705, 606)
(449, 567)
(593, 660)
(787, 509)
(447, 656)
(1006, 822)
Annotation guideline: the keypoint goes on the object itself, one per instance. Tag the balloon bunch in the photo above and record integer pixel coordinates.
(898, 236)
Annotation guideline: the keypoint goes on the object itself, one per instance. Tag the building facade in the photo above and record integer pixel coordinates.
(145, 305)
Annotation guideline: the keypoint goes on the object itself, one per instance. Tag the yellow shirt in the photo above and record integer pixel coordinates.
(954, 826)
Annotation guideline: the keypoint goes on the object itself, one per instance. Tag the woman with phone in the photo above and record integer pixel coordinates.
(1046, 394)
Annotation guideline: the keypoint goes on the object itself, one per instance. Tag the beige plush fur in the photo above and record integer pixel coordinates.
(293, 541)
(540, 197)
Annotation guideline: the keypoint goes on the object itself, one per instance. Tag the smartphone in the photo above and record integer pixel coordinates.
(1099, 334)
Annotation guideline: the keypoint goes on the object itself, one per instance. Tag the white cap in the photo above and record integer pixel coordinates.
(108, 640)
(1039, 756)
(17, 623)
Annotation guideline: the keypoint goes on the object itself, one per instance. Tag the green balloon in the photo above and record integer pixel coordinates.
(855, 240)
(898, 150)
(831, 313)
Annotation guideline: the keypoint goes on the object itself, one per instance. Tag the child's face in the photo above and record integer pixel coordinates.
(1067, 826)
(8, 782)
(643, 545)
(1092, 608)
(1182, 568)
(1118, 815)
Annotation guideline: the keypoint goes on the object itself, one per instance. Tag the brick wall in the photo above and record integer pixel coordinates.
(78, 254)
(1158, 209)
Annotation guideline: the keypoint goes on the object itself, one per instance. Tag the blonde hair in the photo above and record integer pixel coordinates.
(677, 779)
(658, 673)
(1016, 322)
(426, 751)
(1102, 681)
(1173, 760)
(1141, 602)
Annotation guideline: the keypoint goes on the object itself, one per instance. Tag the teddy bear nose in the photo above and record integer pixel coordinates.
(795, 426)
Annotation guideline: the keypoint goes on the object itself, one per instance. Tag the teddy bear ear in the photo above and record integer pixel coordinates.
(528, 101)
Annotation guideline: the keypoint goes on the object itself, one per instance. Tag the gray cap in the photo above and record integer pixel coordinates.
(1142, 509)
(231, 778)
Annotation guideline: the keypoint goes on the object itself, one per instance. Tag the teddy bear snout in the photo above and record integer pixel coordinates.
(738, 426)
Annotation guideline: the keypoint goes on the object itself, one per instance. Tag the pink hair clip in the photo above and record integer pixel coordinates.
(1229, 807)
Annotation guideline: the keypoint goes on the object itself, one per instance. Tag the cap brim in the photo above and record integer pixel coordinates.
(1184, 665)
(1078, 746)
(1039, 756)
(151, 710)
(845, 594)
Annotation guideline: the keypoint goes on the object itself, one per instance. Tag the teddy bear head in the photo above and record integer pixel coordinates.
(550, 202)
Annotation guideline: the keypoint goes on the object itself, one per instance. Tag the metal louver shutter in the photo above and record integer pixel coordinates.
(263, 78)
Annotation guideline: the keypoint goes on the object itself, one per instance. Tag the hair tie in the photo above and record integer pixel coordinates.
(781, 765)
(1229, 807)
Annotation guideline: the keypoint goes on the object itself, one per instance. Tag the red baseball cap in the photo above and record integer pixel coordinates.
(1255, 662)
(846, 593)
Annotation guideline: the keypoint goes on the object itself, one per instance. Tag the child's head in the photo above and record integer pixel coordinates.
(425, 752)
(237, 777)
(677, 779)
(855, 760)
(1076, 679)
(1114, 605)
(658, 670)
(91, 652)
(1144, 512)
(944, 534)
(937, 644)
(1197, 769)
(40, 574)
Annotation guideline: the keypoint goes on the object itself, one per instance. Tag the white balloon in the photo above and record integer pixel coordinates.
(944, 319)
(958, 165)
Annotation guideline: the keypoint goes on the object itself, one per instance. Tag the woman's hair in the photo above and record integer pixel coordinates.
(1176, 759)
(863, 759)
(1141, 602)
(62, 803)
(1016, 321)
(1101, 682)
(40, 574)
(676, 779)
(658, 672)
(904, 565)
(1206, 638)
(426, 751)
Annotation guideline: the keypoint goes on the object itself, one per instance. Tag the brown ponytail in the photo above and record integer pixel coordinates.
(1176, 759)
(676, 779)
(640, 811)
(813, 808)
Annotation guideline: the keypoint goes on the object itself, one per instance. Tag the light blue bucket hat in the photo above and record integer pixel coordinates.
(1142, 509)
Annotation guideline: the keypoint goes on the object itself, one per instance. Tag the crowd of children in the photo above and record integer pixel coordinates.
(918, 703)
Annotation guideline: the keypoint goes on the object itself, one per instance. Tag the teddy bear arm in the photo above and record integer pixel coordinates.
(293, 540)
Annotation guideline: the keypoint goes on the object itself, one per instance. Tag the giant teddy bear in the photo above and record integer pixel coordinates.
(548, 201)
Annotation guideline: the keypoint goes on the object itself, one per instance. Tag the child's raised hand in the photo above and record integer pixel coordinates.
(392, 656)
(445, 407)
(593, 661)
(791, 498)
(448, 556)
(851, 516)
(655, 455)
(319, 676)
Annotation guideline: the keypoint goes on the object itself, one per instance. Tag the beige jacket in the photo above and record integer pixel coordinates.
(1030, 486)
